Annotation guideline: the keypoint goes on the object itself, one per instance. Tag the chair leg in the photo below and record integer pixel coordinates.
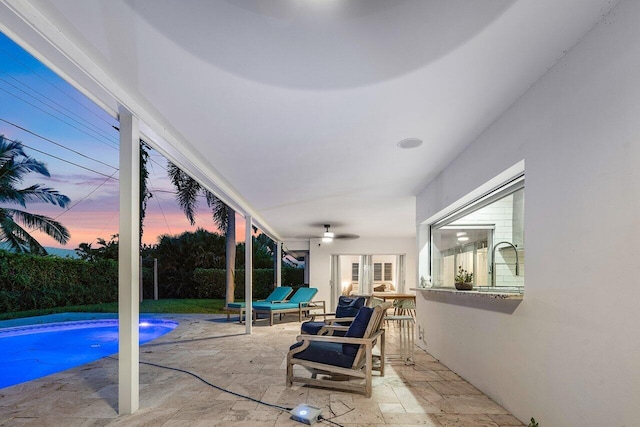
(289, 373)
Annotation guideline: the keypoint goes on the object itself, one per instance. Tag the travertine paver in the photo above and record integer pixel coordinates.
(426, 394)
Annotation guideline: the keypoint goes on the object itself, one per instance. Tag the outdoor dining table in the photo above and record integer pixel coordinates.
(384, 296)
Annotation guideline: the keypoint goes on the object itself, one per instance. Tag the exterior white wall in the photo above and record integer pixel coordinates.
(320, 259)
(568, 354)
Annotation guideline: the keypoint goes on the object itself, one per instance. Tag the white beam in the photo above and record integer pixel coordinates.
(279, 264)
(129, 264)
(248, 272)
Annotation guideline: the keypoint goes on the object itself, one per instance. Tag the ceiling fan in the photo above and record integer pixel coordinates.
(328, 236)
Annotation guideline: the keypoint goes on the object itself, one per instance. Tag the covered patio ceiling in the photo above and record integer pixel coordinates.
(291, 110)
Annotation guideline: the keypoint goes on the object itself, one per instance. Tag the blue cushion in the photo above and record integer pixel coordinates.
(235, 305)
(348, 307)
(304, 295)
(274, 306)
(324, 352)
(312, 328)
(280, 293)
(357, 329)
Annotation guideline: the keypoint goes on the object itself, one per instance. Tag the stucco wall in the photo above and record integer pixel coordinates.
(568, 354)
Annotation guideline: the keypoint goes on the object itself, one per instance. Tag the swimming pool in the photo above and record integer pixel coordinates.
(30, 352)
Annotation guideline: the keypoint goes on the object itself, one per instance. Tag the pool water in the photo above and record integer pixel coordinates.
(30, 352)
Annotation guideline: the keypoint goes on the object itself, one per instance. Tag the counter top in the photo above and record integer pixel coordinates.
(484, 294)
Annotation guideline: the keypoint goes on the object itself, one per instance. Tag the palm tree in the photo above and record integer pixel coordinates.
(188, 190)
(14, 164)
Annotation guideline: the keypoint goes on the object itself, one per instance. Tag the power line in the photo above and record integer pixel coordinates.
(107, 143)
(61, 159)
(91, 128)
(56, 143)
(85, 197)
(158, 202)
(60, 105)
(17, 61)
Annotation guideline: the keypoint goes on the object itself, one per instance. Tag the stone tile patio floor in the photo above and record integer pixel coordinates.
(424, 394)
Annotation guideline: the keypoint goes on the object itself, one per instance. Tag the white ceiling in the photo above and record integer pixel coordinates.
(294, 107)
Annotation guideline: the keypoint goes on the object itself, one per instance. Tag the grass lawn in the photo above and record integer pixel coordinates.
(177, 306)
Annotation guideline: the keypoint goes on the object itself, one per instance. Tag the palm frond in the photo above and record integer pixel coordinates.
(37, 193)
(219, 211)
(47, 225)
(11, 233)
(187, 190)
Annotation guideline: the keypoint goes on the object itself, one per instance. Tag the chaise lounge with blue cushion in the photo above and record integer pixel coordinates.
(299, 303)
(334, 357)
(280, 293)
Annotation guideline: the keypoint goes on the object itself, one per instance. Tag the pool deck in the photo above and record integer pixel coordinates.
(426, 393)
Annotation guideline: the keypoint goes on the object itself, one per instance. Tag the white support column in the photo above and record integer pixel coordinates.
(248, 272)
(279, 264)
(306, 269)
(129, 264)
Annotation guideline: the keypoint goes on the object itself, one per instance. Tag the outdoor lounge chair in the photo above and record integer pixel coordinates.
(299, 303)
(345, 312)
(280, 293)
(334, 358)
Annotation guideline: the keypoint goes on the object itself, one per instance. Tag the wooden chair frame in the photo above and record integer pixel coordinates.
(362, 366)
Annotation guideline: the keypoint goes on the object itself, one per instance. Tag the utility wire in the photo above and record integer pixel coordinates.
(62, 160)
(107, 143)
(17, 61)
(56, 143)
(158, 202)
(60, 105)
(97, 131)
(85, 197)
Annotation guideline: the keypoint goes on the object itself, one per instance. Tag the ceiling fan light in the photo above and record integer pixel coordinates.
(327, 237)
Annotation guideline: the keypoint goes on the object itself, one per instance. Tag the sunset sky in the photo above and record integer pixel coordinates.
(85, 145)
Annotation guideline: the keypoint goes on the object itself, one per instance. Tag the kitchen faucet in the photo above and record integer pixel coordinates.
(493, 261)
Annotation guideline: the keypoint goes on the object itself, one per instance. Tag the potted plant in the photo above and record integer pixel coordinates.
(463, 280)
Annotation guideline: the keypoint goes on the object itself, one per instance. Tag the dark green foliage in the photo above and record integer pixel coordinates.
(145, 194)
(210, 283)
(178, 257)
(34, 282)
(107, 250)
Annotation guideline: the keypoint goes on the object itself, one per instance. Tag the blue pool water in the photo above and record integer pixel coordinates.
(30, 352)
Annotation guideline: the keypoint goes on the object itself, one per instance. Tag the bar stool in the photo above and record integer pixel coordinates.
(406, 336)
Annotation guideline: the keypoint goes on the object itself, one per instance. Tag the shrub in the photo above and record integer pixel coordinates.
(211, 282)
(30, 282)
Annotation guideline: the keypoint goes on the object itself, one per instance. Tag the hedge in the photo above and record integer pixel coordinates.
(211, 282)
(29, 282)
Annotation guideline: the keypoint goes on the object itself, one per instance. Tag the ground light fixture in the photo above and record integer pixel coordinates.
(306, 414)
(327, 236)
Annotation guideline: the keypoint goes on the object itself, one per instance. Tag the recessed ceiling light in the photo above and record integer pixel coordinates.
(410, 143)
(461, 233)
(463, 239)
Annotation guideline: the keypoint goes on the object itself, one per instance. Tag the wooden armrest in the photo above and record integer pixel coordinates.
(316, 304)
(329, 329)
(343, 340)
(314, 315)
(339, 320)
